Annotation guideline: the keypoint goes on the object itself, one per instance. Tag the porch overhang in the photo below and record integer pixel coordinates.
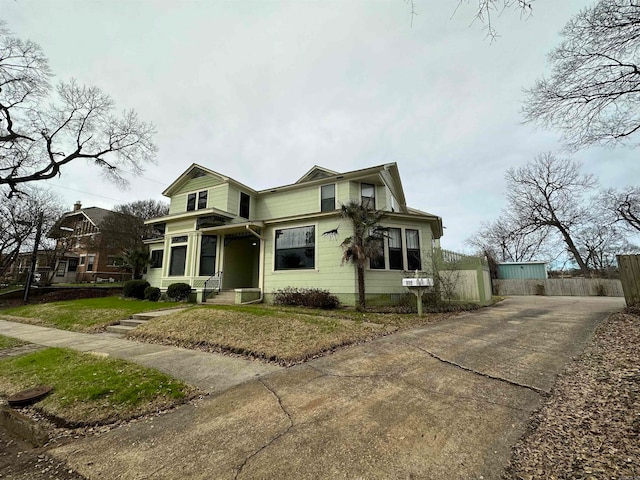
(234, 228)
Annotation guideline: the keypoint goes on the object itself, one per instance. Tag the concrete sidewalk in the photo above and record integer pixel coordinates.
(210, 372)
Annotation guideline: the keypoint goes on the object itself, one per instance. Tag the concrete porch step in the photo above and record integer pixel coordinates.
(137, 319)
(121, 329)
(224, 297)
(131, 322)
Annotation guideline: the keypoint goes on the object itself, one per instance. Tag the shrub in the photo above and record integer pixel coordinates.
(152, 294)
(179, 291)
(306, 297)
(135, 289)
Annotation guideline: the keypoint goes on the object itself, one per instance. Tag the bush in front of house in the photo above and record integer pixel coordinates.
(135, 289)
(179, 291)
(152, 294)
(306, 297)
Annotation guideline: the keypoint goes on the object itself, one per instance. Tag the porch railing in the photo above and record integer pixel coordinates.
(212, 284)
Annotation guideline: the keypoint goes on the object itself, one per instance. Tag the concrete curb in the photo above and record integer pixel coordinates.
(23, 427)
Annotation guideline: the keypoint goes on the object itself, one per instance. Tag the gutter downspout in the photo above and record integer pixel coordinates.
(261, 266)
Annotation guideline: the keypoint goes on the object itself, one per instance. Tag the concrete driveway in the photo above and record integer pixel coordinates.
(441, 402)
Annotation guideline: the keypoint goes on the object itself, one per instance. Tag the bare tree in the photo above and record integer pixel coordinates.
(548, 193)
(144, 209)
(593, 93)
(624, 206)
(599, 243)
(43, 129)
(506, 240)
(122, 232)
(19, 217)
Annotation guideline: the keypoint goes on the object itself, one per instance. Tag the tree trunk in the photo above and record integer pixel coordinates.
(361, 298)
(574, 251)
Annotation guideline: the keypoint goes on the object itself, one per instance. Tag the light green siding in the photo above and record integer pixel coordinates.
(219, 197)
(180, 226)
(233, 200)
(524, 270)
(178, 202)
(289, 203)
(328, 273)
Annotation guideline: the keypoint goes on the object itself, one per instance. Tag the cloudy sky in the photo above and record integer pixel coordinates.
(263, 90)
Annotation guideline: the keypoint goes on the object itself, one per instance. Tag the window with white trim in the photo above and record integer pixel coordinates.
(368, 195)
(328, 197)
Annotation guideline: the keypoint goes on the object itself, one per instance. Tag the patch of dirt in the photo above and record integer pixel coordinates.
(590, 426)
(20, 461)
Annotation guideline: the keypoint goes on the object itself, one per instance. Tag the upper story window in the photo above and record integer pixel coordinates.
(368, 195)
(295, 248)
(328, 197)
(202, 200)
(245, 202)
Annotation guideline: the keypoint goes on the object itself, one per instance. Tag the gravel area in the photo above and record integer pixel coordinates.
(589, 428)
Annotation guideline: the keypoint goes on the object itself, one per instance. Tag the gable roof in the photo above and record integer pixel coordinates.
(315, 173)
(195, 171)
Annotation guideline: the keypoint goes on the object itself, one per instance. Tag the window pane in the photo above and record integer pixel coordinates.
(395, 249)
(368, 193)
(295, 248)
(73, 265)
(208, 254)
(178, 259)
(413, 250)
(90, 261)
(245, 201)
(202, 200)
(156, 259)
(191, 202)
(327, 198)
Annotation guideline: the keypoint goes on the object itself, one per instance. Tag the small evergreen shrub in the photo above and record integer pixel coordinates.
(152, 294)
(306, 297)
(135, 289)
(179, 291)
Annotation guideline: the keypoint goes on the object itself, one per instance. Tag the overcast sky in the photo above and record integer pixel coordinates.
(263, 90)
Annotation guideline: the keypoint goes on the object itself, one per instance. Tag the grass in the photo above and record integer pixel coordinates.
(90, 390)
(9, 342)
(281, 334)
(85, 315)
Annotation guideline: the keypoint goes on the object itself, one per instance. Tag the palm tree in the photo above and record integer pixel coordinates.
(366, 241)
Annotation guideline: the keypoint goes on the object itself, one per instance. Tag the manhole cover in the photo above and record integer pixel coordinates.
(29, 396)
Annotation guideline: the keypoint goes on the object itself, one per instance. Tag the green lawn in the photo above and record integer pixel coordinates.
(88, 389)
(284, 335)
(9, 342)
(85, 315)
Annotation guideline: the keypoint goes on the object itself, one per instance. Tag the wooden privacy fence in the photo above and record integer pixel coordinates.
(579, 287)
(630, 275)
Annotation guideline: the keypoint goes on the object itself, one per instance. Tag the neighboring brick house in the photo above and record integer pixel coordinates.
(82, 256)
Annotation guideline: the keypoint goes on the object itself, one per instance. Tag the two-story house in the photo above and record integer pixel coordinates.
(82, 256)
(257, 242)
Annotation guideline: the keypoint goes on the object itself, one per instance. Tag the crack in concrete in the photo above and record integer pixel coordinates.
(490, 342)
(537, 390)
(276, 437)
(462, 397)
